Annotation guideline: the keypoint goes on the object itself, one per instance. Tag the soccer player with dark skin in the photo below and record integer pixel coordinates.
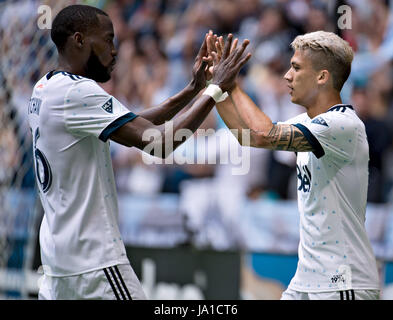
(92, 54)
(71, 119)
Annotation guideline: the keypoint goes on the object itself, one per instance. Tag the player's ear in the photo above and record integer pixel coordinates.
(323, 77)
(78, 39)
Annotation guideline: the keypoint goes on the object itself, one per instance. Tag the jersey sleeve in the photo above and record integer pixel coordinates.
(295, 119)
(335, 132)
(299, 119)
(89, 110)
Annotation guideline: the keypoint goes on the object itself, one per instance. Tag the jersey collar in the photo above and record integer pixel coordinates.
(50, 74)
(340, 105)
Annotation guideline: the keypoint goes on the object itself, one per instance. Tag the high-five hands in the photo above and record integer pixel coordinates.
(224, 59)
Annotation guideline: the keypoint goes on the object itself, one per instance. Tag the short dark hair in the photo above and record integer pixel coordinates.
(72, 19)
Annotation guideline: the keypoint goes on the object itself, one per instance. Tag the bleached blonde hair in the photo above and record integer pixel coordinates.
(327, 51)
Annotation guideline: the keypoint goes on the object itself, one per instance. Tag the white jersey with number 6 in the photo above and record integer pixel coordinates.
(334, 250)
(71, 118)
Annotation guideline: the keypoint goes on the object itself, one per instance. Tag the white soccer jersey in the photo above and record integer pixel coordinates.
(71, 118)
(334, 250)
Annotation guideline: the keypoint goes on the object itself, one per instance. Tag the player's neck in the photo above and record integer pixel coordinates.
(323, 103)
(66, 65)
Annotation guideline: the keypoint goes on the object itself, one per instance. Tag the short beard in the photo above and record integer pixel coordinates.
(96, 70)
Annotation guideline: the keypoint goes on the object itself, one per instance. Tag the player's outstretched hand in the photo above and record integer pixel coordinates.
(216, 45)
(227, 60)
(200, 70)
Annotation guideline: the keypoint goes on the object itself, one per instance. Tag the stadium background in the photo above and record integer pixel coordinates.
(197, 231)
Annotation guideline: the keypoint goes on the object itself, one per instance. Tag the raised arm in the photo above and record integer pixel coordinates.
(170, 107)
(240, 113)
(263, 133)
(161, 141)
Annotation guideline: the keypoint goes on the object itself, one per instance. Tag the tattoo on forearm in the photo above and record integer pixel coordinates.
(288, 137)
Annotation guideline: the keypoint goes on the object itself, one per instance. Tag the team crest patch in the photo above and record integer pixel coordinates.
(108, 106)
(321, 121)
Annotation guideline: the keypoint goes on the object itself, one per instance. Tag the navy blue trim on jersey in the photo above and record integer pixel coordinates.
(340, 107)
(318, 150)
(50, 74)
(113, 126)
(74, 77)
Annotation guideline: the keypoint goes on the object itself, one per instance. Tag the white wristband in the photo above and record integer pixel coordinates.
(216, 93)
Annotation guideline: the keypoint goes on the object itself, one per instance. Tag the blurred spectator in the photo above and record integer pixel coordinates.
(318, 17)
(379, 138)
(9, 154)
(273, 37)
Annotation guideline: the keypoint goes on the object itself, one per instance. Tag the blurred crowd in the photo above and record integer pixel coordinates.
(157, 42)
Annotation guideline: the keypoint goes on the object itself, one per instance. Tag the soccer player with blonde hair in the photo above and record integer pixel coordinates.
(336, 260)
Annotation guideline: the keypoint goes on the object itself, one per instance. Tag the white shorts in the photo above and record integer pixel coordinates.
(113, 283)
(290, 294)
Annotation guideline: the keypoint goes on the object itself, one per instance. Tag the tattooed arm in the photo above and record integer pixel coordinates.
(254, 127)
(285, 137)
